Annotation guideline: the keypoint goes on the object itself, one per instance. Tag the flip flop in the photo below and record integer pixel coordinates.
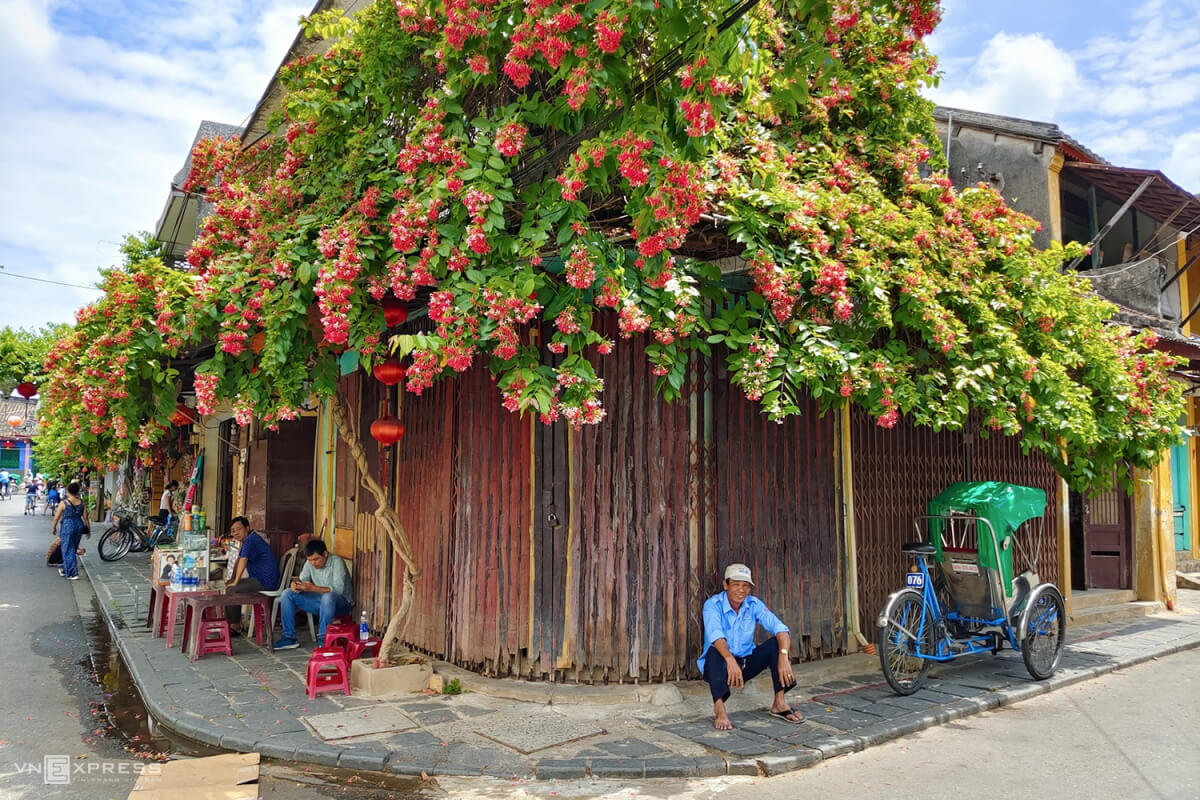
(790, 716)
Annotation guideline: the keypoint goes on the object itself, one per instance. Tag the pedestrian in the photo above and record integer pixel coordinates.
(730, 657)
(166, 503)
(71, 524)
(323, 588)
(254, 571)
(5, 479)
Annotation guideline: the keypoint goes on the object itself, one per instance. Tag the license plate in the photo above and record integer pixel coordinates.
(916, 580)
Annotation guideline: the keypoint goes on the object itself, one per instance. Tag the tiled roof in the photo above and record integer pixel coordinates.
(18, 407)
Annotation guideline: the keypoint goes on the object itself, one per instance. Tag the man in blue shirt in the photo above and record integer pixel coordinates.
(254, 571)
(730, 657)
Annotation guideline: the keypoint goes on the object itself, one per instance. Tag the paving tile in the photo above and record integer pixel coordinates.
(630, 748)
(359, 722)
(529, 732)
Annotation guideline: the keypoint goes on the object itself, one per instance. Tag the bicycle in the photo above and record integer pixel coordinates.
(127, 536)
(961, 597)
(31, 504)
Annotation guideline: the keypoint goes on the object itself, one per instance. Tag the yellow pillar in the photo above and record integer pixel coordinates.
(1055, 222)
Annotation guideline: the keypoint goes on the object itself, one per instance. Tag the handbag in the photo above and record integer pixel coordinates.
(86, 530)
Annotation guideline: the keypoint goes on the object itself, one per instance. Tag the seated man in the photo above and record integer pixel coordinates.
(730, 657)
(254, 570)
(323, 588)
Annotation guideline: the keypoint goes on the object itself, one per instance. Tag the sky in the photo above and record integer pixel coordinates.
(100, 100)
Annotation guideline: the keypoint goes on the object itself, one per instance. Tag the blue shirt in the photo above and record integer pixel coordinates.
(736, 628)
(260, 561)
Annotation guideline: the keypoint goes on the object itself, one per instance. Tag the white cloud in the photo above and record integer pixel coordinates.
(1183, 165)
(1130, 93)
(98, 106)
(1024, 75)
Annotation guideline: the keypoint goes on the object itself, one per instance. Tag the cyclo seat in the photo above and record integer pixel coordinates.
(918, 548)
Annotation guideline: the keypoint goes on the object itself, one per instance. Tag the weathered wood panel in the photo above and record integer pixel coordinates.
(489, 614)
(632, 499)
(345, 497)
(424, 504)
(776, 501)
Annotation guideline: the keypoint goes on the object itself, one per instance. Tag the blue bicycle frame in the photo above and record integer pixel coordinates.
(935, 617)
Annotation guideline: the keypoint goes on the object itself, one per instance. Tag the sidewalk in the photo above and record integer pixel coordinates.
(256, 701)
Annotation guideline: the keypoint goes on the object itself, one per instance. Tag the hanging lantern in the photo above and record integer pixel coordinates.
(389, 372)
(17, 422)
(257, 342)
(394, 311)
(183, 416)
(387, 430)
(26, 389)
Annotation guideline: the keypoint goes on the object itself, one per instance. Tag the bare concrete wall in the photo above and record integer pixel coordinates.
(1015, 167)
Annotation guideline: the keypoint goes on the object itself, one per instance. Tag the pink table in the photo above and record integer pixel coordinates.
(197, 605)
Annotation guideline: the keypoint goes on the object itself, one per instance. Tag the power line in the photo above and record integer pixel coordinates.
(5, 272)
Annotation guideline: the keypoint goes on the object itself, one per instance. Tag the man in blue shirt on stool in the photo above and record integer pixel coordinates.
(730, 657)
(254, 571)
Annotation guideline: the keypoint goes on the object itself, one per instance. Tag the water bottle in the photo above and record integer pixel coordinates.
(364, 632)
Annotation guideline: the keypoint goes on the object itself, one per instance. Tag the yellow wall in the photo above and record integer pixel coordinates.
(325, 461)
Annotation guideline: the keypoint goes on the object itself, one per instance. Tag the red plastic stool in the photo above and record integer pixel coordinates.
(328, 671)
(214, 637)
(338, 633)
(361, 648)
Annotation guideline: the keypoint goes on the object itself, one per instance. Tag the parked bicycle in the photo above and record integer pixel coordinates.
(127, 536)
(961, 595)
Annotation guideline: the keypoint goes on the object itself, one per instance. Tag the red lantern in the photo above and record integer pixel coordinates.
(257, 342)
(183, 416)
(389, 372)
(26, 389)
(394, 311)
(387, 430)
(17, 422)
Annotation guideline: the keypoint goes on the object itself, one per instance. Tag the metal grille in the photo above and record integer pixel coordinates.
(897, 471)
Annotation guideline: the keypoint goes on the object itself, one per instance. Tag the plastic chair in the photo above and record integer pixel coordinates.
(214, 637)
(361, 648)
(328, 671)
(287, 565)
(338, 634)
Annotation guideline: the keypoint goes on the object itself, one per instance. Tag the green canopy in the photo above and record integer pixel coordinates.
(1005, 505)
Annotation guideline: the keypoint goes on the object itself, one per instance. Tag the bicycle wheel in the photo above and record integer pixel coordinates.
(1045, 632)
(899, 637)
(114, 544)
(167, 536)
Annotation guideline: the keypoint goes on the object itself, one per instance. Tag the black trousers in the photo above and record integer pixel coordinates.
(765, 656)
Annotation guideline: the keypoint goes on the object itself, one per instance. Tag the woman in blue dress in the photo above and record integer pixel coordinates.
(70, 519)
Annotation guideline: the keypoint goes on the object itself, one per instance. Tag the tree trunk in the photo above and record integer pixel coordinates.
(387, 517)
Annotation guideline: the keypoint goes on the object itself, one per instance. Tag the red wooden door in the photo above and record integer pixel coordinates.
(1106, 540)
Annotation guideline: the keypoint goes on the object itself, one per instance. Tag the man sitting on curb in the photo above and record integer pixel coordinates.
(730, 657)
(323, 588)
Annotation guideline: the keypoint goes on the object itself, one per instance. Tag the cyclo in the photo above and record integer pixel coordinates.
(968, 601)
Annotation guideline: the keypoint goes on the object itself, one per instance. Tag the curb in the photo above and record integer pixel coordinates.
(286, 746)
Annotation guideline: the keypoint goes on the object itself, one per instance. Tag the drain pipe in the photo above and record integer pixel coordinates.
(851, 540)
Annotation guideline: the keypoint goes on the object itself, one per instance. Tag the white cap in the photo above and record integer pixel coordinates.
(738, 572)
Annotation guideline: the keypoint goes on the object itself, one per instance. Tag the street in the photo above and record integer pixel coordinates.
(1133, 734)
(73, 698)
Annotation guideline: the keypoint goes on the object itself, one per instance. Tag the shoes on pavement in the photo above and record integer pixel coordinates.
(73, 578)
(61, 574)
(286, 644)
